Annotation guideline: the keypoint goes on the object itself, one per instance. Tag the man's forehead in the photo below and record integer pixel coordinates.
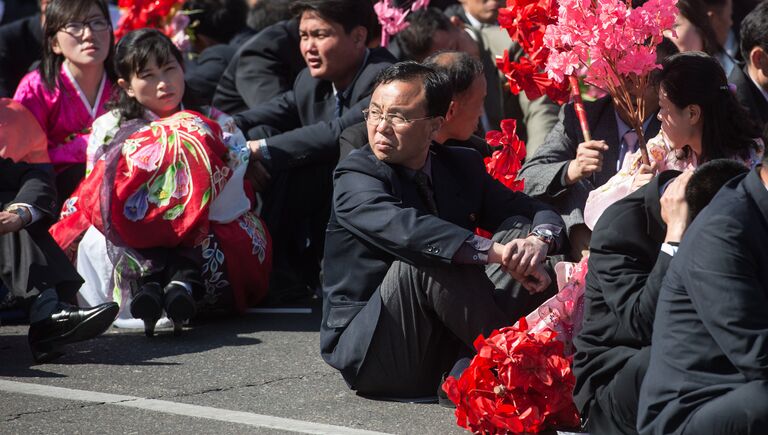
(311, 20)
(398, 94)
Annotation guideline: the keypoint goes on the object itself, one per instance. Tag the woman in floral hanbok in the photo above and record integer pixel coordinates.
(166, 190)
(73, 83)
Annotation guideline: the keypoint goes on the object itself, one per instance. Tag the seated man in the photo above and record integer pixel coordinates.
(33, 266)
(632, 245)
(752, 81)
(296, 134)
(708, 369)
(405, 290)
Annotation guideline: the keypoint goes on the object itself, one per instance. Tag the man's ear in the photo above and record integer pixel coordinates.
(451, 111)
(759, 59)
(126, 87)
(456, 21)
(359, 35)
(436, 125)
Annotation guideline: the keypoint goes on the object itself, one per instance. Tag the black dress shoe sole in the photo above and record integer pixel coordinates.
(146, 306)
(88, 328)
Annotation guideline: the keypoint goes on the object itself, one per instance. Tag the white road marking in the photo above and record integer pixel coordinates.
(225, 415)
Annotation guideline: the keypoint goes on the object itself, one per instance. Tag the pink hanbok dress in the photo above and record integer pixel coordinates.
(64, 114)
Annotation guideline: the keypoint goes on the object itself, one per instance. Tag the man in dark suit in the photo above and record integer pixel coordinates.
(632, 246)
(32, 267)
(21, 45)
(708, 370)
(405, 289)
(295, 135)
(752, 81)
(264, 67)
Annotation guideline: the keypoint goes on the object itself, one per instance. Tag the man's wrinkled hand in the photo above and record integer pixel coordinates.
(674, 208)
(10, 222)
(523, 256)
(535, 282)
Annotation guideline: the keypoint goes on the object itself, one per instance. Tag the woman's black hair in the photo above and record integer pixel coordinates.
(132, 54)
(57, 14)
(697, 78)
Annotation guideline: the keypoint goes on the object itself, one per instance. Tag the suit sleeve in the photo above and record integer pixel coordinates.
(279, 113)
(543, 171)
(364, 205)
(203, 74)
(620, 270)
(32, 185)
(728, 295)
(501, 203)
(313, 143)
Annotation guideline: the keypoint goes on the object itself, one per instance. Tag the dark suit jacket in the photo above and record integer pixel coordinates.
(203, 73)
(21, 182)
(378, 217)
(356, 136)
(542, 171)
(709, 336)
(21, 45)
(264, 67)
(626, 269)
(304, 116)
(750, 96)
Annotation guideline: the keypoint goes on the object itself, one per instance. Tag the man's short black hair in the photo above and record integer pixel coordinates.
(437, 88)
(415, 41)
(754, 30)
(348, 13)
(707, 180)
(461, 68)
(219, 20)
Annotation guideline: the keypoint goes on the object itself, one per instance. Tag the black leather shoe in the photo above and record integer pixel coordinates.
(147, 305)
(456, 371)
(179, 305)
(69, 324)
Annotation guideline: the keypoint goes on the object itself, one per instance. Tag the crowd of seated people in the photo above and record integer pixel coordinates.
(275, 152)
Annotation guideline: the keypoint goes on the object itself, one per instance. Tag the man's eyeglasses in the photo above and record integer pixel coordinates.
(374, 117)
(77, 28)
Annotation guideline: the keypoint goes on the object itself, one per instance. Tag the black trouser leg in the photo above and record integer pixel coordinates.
(614, 408)
(743, 411)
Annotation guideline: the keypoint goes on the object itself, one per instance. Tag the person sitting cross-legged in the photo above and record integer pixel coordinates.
(405, 286)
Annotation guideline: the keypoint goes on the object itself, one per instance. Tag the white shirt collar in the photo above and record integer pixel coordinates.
(474, 22)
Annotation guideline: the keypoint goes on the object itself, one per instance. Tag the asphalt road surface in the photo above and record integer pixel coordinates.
(259, 373)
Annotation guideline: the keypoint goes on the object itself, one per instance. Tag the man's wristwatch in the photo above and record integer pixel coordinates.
(544, 235)
(22, 212)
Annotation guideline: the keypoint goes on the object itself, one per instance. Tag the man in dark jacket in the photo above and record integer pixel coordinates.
(708, 370)
(405, 289)
(632, 246)
(296, 134)
(21, 45)
(32, 267)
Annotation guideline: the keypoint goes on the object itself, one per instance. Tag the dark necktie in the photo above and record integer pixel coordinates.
(628, 145)
(339, 106)
(421, 180)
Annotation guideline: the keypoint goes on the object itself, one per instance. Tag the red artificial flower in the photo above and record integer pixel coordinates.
(138, 14)
(527, 75)
(517, 382)
(526, 20)
(505, 163)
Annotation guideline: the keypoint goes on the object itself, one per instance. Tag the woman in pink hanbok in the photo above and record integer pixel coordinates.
(72, 84)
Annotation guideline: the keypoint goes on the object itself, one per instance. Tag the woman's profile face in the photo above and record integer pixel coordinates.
(675, 125)
(686, 36)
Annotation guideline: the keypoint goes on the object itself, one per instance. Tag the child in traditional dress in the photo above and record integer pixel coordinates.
(73, 83)
(166, 189)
